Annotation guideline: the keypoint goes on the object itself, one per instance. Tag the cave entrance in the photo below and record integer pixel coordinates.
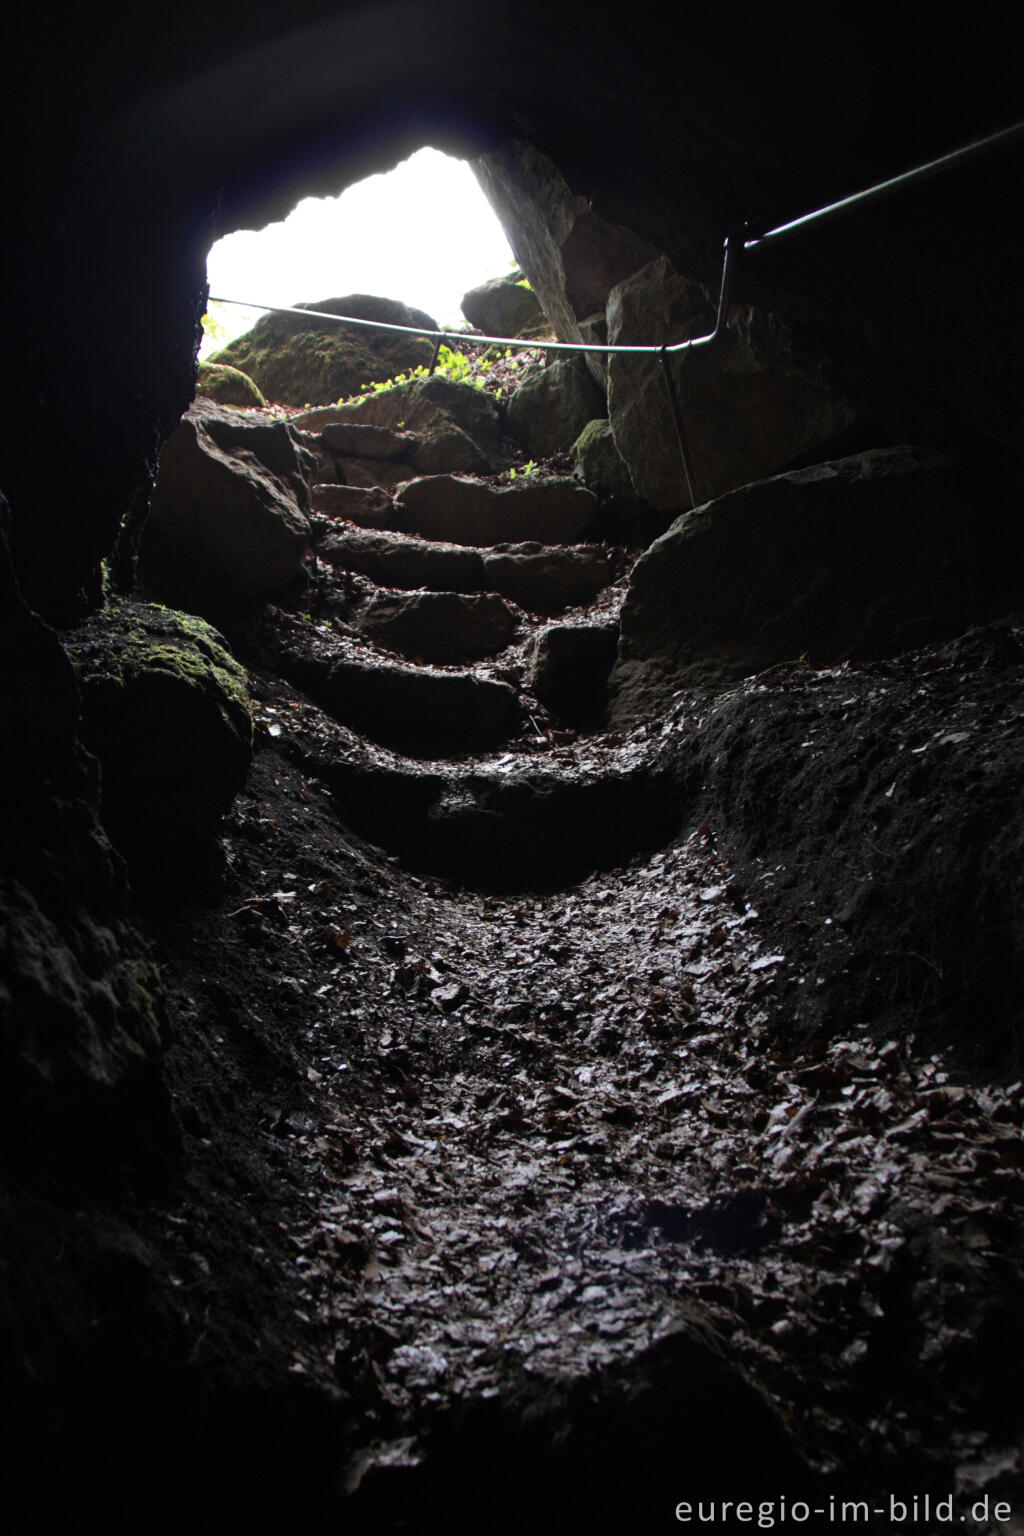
(422, 233)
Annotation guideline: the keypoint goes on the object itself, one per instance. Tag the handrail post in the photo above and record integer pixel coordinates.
(677, 422)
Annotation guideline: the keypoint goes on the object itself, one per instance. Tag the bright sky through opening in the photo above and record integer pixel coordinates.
(423, 233)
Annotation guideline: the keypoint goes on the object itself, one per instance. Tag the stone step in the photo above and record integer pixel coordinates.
(366, 506)
(509, 823)
(442, 627)
(539, 578)
(414, 710)
(478, 513)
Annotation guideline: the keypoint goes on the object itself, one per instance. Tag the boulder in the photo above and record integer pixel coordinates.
(412, 709)
(569, 670)
(457, 427)
(230, 386)
(544, 580)
(472, 512)
(440, 627)
(858, 558)
(749, 406)
(165, 709)
(368, 507)
(504, 306)
(227, 523)
(552, 406)
(298, 361)
(397, 560)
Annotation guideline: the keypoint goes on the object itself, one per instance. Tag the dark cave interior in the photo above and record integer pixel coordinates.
(149, 1288)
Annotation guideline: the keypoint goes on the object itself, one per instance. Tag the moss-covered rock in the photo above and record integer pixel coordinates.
(166, 711)
(227, 385)
(298, 361)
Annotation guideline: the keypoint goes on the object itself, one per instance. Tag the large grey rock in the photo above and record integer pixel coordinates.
(504, 307)
(551, 407)
(412, 709)
(440, 627)
(166, 712)
(298, 361)
(225, 526)
(398, 560)
(861, 557)
(472, 512)
(546, 580)
(569, 670)
(748, 405)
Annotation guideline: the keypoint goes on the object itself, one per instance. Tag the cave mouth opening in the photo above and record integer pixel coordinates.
(422, 233)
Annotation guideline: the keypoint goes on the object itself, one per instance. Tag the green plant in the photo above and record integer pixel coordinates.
(528, 469)
(455, 366)
(213, 323)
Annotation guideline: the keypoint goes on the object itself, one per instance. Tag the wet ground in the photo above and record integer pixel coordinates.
(482, 1151)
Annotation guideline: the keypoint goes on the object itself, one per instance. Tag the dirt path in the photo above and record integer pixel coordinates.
(542, 1140)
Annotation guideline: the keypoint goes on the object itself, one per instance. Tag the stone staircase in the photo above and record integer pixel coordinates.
(438, 593)
(456, 628)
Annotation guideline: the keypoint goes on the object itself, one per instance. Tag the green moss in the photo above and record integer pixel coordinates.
(127, 640)
(166, 712)
(229, 386)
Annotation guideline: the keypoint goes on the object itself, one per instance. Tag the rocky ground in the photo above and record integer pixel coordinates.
(549, 1149)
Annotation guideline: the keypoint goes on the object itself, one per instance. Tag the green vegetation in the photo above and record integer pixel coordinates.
(213, 324)
(455, 366)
